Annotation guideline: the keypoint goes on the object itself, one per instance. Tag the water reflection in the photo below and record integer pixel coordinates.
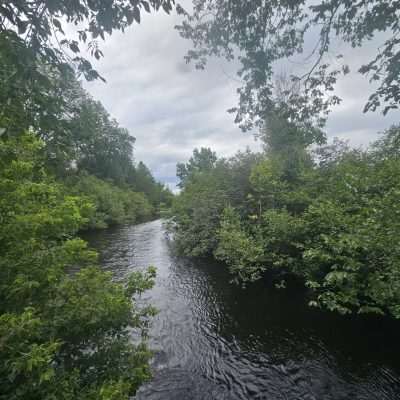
(214, 340)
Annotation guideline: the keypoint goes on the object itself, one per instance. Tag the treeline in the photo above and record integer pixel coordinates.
(84, 147)
(63, 335)
(98, 164)
(66, 327)
(326, 213)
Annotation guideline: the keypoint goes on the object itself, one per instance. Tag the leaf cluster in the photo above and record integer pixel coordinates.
(65, 326)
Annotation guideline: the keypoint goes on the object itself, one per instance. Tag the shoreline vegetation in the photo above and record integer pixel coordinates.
(328, 215)
(321, 211)
(65, 165)
(63, 336)
(325, 213)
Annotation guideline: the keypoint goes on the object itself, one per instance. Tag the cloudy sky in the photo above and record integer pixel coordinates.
(171, 108)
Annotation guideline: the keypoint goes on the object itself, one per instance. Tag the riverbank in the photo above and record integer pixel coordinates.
(63, 335)
(328, 214)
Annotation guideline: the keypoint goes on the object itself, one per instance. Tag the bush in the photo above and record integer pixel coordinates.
(334, 222)
(113, 205)
(63, 335)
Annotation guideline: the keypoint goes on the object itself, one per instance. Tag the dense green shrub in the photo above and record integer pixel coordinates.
(197, 215)
(243, 253)
(113, 204)
(209, 187)
(335, 222)
(63, 335)
(352, 253)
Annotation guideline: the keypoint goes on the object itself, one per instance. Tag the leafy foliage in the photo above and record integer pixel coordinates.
(196, 215)
(98, 144)
(63, 335)
(66, 327)
(329, 216)
(113, 205)
(243, 254)
(42, 25)
(352, 235)
(79, 137)
(206, 192)
(41, 92)
(201, 161)
(143, 181)
(260, 34)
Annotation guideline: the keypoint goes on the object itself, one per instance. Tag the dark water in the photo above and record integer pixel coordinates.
(214, 340)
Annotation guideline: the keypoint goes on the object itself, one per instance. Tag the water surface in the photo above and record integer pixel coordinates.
(213, 340)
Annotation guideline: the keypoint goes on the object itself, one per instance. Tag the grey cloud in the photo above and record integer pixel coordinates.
(171, 108)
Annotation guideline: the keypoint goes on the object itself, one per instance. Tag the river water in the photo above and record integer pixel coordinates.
(214, 340)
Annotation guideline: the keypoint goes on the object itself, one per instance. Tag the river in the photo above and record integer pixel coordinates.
(214, 340)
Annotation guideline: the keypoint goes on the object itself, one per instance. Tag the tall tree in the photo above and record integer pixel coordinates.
(101, 146)
(261, 33)
(202, 160)
(38, 58)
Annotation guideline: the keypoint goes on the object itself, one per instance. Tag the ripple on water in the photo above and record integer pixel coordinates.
(213, 340)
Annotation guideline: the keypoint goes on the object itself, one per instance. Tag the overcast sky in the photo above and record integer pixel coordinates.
(171, 108)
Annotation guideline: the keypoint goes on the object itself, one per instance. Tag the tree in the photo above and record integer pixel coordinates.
(201, 161)
(74, 127)
(208, 186)
(64, 335)
(244, 255)
(113, 205)
(101, 146)
(34, 95)
(65, 326)
(40, 25)
(262, 33)
(197, 212)
(40, 62)
(333, 221)
(351, 257)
